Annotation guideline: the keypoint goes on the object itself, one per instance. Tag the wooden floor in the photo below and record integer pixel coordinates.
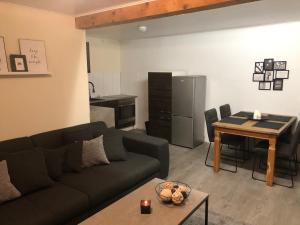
(236, 195)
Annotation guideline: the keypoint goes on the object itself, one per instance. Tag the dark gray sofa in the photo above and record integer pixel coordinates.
(78, 195)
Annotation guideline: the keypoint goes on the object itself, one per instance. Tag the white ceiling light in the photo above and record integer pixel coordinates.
(143, 28)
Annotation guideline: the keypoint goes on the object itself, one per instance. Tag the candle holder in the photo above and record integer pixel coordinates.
(145, 206)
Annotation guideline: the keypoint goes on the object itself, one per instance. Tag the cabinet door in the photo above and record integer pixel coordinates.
(182, 96)
(182, 131)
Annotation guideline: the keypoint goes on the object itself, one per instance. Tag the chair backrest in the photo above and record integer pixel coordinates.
(225, 111)
(295, 140)
(211, 116)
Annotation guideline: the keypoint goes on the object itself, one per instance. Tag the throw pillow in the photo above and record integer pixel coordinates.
(71, 136)
(113, 145)
(54, 161)
(73, 157)
(27, 170)
(93, 152)
(7, 190)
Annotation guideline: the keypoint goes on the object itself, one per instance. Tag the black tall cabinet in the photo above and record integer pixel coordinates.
(160, 105)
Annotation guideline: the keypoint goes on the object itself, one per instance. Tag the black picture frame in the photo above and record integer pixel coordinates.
(264, 85)
(281, 74)
(18, 59)
(278, 84)
(258, 77)
(259, 67)
(269, 64)
(269, 75)
(280, 65)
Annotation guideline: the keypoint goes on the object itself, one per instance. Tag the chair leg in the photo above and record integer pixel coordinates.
(206, 164)
(292, 175)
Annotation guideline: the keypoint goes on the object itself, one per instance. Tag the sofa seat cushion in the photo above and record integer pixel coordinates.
(103, 182)
(22, 211)
(63, 202)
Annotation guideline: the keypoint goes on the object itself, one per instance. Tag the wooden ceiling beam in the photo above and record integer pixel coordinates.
(151, 9)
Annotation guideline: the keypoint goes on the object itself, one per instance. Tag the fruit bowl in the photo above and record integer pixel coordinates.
(173, 192)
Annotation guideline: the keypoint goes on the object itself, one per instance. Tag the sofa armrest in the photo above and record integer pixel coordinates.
(155, 147)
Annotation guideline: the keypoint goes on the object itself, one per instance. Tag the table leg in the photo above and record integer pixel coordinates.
(217, 143)
(271, 161)
(206, 212)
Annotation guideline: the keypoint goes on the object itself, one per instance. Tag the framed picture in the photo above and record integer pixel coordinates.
(257, 77)
(18, 63)
(280, 65)
(264, 85)
(3, 59)
(278, 85)
(268, 64)
(35, 52)
(269, 75)
(281, 74)
(259, 67)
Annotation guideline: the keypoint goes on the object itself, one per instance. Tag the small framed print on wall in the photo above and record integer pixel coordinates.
(280, 65)
(278, 85)
(35, 52)
(269, 75)
(264, 85)
(259, 67)
(257, 77)
(268, 64)
(281, 74)
(18, 63)
(3, 60)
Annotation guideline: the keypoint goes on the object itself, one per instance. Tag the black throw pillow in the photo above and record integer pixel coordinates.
(27, 170)
(84, 134)
(113, 145)
(73, 157)
(54, 160)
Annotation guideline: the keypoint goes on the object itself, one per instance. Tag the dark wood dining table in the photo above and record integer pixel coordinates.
(270, 128)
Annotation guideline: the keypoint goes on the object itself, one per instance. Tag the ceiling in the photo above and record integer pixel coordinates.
(74, 7)
(244, 15)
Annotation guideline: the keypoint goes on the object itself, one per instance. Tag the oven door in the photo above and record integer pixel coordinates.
(125, 116)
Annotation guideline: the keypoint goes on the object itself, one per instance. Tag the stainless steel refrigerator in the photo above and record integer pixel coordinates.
(188, 104)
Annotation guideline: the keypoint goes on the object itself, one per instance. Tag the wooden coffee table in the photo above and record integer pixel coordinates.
(127, 210)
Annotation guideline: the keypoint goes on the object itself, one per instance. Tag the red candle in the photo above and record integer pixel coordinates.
(145, 206)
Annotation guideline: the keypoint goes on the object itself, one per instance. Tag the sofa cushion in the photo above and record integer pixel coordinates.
(63, 202)
(16, 145)
(27, 170)
(23, 212)
(103, 182)
(73, 157)
(7, 190)
(54, 160)
(93, 152)
(82, 134)
(50, 139)
(98, 128)
(113, 145)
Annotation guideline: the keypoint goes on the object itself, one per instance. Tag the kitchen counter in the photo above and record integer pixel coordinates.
(110, 98)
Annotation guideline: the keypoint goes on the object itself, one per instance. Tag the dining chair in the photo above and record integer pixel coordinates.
(225, 111)
(211, 117)
(284, 152)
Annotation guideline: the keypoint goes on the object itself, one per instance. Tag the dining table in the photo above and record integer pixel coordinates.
(270, 127)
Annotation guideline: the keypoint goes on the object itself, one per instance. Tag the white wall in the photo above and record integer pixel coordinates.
(36, 104)
(105, 65)
(226, 57)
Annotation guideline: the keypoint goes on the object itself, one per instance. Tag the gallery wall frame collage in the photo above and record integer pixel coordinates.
(32, 57)
(270, 74)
